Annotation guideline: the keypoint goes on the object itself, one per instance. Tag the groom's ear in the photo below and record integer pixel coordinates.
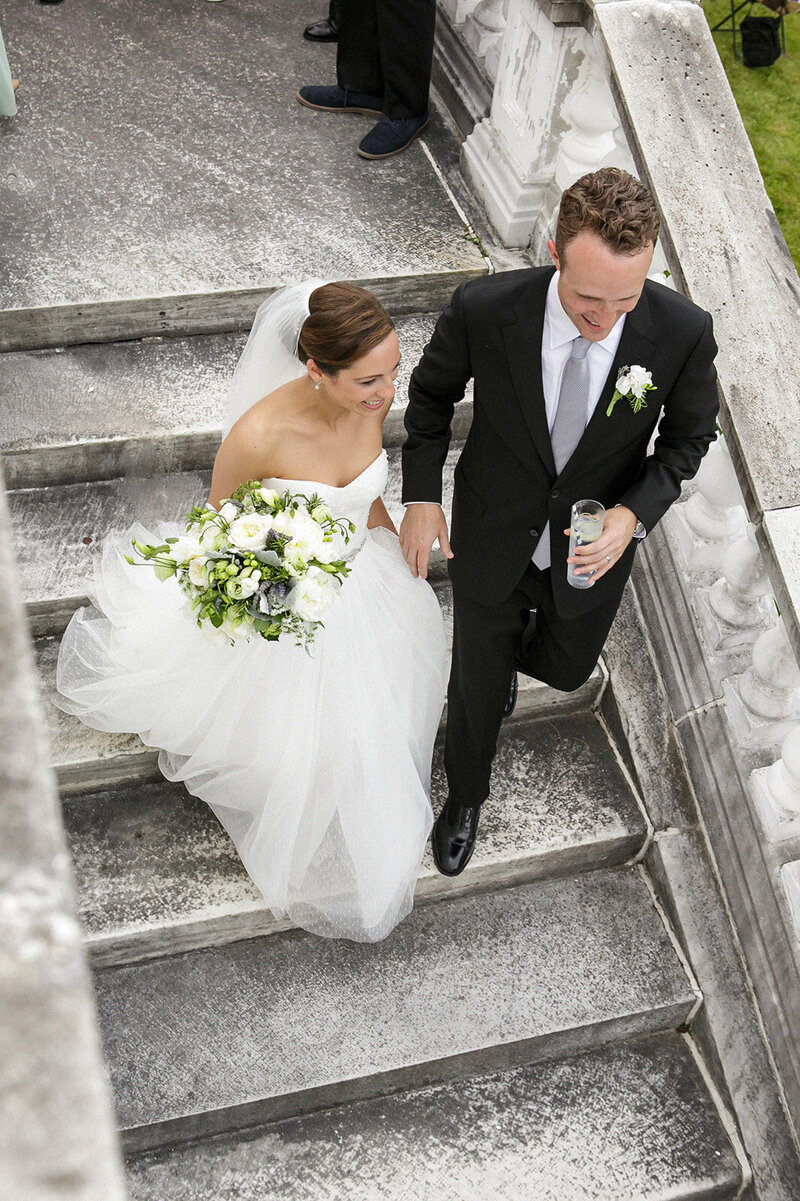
(551, 246)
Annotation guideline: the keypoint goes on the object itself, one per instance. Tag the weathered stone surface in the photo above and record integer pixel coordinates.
(728, 1026)
(719, 770)
(157, 874)
(623, 1122)
(56, 1126)
(269, 1028)
(208, 180)
(780, 531)
(137, 408)
(687, 677)
(726, 243)
(638, 714)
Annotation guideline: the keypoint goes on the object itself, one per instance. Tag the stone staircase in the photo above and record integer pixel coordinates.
(525, 1034)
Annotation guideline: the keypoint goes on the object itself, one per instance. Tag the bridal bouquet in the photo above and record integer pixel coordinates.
(264, 564)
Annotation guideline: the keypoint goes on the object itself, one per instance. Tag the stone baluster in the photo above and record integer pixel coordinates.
(510, 156)
(737, 608)
(483, 32)
(458, 10)
(713, 517)
(764, 702)
(776, 791)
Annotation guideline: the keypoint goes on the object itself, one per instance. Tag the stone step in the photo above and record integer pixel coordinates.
(88, 760)
(178, 211)
(271, 1028)
(157, 874)
(622, 1122)
(140, 408)
(55, 529)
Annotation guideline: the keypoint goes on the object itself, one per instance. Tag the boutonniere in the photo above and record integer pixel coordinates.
(632, 383)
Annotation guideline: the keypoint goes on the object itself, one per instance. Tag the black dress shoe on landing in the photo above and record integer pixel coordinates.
(322, 31)
(511, 703)
(453, 839)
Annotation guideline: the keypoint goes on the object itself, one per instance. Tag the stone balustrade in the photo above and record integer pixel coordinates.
(57, 1133)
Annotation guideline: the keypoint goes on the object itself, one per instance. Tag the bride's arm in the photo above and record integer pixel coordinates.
(241, 457)
(379, 516)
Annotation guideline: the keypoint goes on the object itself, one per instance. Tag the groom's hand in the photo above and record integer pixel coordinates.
(422, 525)
(596, 558)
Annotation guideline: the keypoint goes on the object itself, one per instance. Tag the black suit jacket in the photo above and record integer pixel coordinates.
(506, 486)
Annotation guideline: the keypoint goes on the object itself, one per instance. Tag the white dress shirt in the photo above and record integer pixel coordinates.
(557, 337)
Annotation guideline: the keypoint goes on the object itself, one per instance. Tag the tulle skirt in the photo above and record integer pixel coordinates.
(317, 764)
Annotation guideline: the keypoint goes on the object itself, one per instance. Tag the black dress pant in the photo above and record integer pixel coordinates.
(385, 49)
(489, 643)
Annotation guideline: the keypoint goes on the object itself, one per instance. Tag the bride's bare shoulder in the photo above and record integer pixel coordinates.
(267, 419)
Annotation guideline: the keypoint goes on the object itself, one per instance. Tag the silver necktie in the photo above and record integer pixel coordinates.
(569, 424)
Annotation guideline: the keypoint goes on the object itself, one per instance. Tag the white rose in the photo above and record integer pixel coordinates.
(640, 379)
(312, 595)
(249, 532)
(269, 496)
(187, 547)
(241, 587)
(198, 574)
(321, 513)
(294, 560)
(305, 536)
(228, 511)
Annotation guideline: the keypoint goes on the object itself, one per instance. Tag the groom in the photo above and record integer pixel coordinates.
(546, 347)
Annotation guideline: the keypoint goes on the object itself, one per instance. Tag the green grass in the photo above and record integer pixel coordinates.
(769, 102)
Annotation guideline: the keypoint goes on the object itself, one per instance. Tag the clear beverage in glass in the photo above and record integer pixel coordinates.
(586, 525)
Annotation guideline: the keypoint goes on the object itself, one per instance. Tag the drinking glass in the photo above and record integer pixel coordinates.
(586, 525)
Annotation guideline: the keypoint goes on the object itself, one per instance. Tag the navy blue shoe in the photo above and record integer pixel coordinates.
(338, 100)
(391, 135)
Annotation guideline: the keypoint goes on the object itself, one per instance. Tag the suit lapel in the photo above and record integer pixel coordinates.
(523, 343)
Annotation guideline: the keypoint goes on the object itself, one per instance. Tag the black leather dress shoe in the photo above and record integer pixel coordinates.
(453, 838)
(511, 703)
(322, 31)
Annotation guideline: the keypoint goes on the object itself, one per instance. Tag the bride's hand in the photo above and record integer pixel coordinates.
(422, 525)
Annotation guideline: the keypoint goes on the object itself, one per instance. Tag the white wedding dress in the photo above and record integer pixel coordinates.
(317, 765)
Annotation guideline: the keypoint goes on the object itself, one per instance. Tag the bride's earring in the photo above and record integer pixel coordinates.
(317, 384)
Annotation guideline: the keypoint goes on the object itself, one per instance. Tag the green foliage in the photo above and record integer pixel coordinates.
(768, 99)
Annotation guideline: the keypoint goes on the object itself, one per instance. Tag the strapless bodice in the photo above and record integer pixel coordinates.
(352, 501)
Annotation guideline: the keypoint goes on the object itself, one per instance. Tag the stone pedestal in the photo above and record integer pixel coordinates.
(776, 792)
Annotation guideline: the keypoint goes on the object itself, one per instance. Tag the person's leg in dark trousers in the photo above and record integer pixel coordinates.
(358, 54)
(405, 33)
(386, 49)
(489, 643)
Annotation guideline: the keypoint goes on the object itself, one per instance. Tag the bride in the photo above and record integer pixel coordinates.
(317, 765)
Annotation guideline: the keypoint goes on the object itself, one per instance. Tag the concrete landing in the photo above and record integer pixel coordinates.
(620, 1123)
(97, 411)
(271, 1028)
(158, 875)
(136, 199)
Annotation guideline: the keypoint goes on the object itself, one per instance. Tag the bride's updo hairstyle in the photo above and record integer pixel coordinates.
(344, 324)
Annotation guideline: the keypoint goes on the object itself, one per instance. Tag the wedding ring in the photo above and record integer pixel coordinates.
(608, 558)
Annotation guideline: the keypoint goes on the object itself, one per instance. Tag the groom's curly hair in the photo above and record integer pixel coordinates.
(344, 323)
(611, 204)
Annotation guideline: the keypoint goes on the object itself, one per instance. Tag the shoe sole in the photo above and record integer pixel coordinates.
(322, 108)
(392, 153)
